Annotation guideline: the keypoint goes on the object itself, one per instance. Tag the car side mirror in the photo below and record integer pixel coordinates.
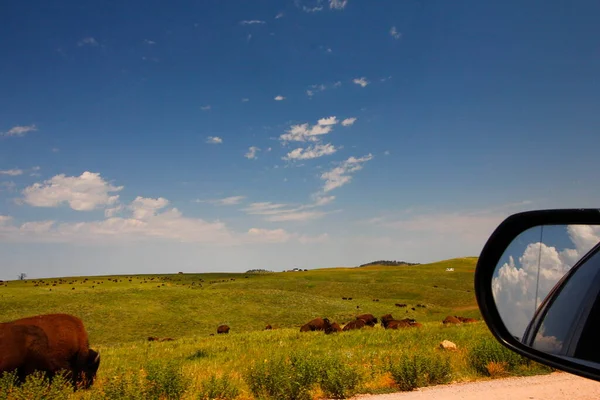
(537, 283)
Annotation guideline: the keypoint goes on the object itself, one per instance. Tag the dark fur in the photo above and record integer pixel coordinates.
(49, 343)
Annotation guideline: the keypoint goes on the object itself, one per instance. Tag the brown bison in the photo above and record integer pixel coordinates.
(451, 320)
(317, 324)
(356, 324)
(335, 327)
(223, 329)
(268, 327)
(369, 319)
(389, 322)
(50, 343)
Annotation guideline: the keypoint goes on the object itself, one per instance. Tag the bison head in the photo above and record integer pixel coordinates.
(90, 368)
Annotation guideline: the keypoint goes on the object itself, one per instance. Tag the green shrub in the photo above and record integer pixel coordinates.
(38, 386)
(126, 385)
(280, 378)
(8, 381)
(488, 350)
(339, 380)
(420, 370)
(166, 380)
(215, 388)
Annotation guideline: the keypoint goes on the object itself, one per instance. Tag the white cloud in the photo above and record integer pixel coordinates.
(88, 41)
(337, 84)
(279, 15)
(394, 33)
(145, 207)
(348, 121)
(264, 208)
(269, 235)
(249, 37)
(296, 216)
(214, 140)
(245, 100)
(251, 154)
(537, 270)
(19, 131)
(11, 172)
(387, 152)
(338, 4)
(279, 98)
(113, 211)
(311, 152)
(304, 132)
(321, 201)
(83, 193)
(340, 175)
(230, 201)
(361, 81)
(150, 42)
(312, 9)
(327, 121)
(205, 108)
(252, 22)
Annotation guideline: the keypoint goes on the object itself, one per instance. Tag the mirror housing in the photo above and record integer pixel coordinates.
(490, 257)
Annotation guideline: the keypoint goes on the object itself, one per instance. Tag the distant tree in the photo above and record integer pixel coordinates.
(388, 263)
(22, 276)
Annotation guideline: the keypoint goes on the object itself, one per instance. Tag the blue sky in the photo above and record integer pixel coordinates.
(403, 130)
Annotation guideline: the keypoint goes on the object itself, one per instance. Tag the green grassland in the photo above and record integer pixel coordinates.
(119, 317)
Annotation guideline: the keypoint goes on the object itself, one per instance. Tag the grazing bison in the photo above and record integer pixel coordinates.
(451, 320)
(400, 305)
(268, 327)
(317, 324)
(50, 343)
(335, 327)
(369, 319)
(356, 324)
(223, 329)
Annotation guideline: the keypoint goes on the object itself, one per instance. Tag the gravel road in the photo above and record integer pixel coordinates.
(558, 385)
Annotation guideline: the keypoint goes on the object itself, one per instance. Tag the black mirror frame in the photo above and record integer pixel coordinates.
(493, 250)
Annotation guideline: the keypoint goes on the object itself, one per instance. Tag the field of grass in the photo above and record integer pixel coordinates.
(251, 363)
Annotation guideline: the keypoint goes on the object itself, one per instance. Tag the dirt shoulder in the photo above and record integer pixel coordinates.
(558, 385)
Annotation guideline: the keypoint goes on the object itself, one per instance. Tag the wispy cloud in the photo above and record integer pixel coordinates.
(341, 175)
(11, 172)
(279, 98)
(19, 130)
(251, 154)
(310, 152)
(349, 121)
(252, 22)
(245, 100)
(278, 212)
(150, 42)
(227, 201)
(55, 149)
(88, 41)
(214, 140)
(361, 81)
(394, 33)
(312, 9)
(338, 4)
(306, 133)
(279, 15)
(205, 108)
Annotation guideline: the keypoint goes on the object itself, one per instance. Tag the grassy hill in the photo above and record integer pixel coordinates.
(169, 305)
(250, 363)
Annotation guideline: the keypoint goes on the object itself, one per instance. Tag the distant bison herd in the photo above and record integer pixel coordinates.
(59, 342)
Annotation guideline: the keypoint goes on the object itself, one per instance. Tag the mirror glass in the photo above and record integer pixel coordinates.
(543, 301)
